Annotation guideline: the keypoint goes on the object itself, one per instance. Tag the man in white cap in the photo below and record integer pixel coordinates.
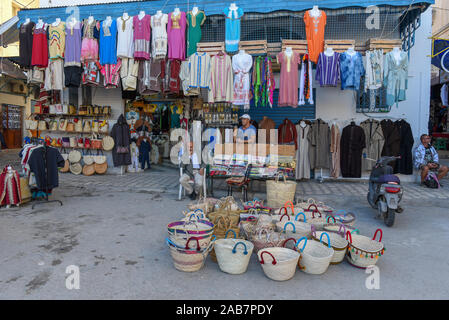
(247, 132)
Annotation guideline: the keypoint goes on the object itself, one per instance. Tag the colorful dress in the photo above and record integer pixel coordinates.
(108, 43)
(221, 79)
(195, 21)
(125, 39)
(159, 39)
(263, 82)
(233, 28)
(288, 85)
(40, 47)
(351, 70)
(56, 41)
(315, 34)
(142, 35)
(374, 69)
(305, 82)
(73, 45)
(395, 77)
(176, 30)
(241, 64)
(89, 45)
(26, 44)
(328, 70)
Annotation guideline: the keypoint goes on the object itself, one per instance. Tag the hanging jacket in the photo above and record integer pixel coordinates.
(405, 164)
(121, 135)
(287, 133)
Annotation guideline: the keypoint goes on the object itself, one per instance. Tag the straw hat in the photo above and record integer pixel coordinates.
(66, 167)
(108, 143)
(76, 168)
(74, 156)
(89, 170)
(101, 168)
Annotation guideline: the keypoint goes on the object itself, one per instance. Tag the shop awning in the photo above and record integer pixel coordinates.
(211, 7)
(8, 31)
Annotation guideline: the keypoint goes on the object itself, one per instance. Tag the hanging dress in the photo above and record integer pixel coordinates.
(194, 21)
(56, 41)
(232, 28)
(302, 154)
(125, 41)
(315, 34)
(176, 36)
(73, 45)
(40, 47)
(288, 86)
(89, 45)
(159, 39)
(221, 80)
(241, 64)
(108, 43)
(396, 77)
(142, 35)
(306, 83)
(26, 44)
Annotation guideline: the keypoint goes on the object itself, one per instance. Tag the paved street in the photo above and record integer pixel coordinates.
(113, 228)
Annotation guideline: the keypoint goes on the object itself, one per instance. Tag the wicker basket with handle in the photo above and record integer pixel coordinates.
(363, 251)
(315, 256)
(279, 192)
(233, 255)
(278, 264)
(186, 259)
(339, 244)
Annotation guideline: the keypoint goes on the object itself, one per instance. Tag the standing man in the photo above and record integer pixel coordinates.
(247, 132)
(426, 158)
(192, 173)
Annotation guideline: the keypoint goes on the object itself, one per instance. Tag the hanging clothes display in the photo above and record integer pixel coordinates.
(149, 77)
(125, 38)
(44, 163)
(54, 75)
(73, 44)
(111, 74)
(263, 83)
(165, 74)
(159, 38)
(232, 26)
(184, 76)
(374, 143)
(351, 146)
(306, 82)
(392, 145)
(288, 85)
(89, 44)
(241, 64)
(302, 154)
(319, 145)
(287, 133)
(26, 44)
(221, 79)
(315, 34)
(328, 69)
(129, 71)
(176, 31)
(121, 155)
(72, 76)
(142, 35)
(10, 193)
(56, 41)
(108, 42)
(91, 73)
(174, 82)
(396, 77)
(267, 124)
(199, 65)
(351, 70)
(39, 53)
(335, 151)
(194, 22)
(405, 164)
(374, 69)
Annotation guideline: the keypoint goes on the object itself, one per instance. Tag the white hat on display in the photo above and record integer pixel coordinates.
(245, 116)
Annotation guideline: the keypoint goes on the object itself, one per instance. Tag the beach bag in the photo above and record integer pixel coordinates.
(30, 123)
(279, 192)
(363, 251)
(315, 256)
(233, 255)
(187, 259)
(79, 125)
(62, 124)
(341, 216)
(264, 238)
(42, 125)
(278, 264)
(339, 244)
(87, 128)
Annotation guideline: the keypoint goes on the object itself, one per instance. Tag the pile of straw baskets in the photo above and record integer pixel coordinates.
(293, 237)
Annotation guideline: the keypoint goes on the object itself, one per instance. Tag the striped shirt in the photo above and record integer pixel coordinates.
(199, 65)
(328, 69)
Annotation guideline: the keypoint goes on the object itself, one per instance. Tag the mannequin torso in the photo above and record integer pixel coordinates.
(329, 52)
(90, 19)
(176, 12)
(108, 21)
(233, 7)
(351, 51)
(288, 52)
(141, 15)
(27, 20)
(315, 12)
(397, 54)
(40, 24)
(57, 22)
(195, 10)
(125, 16)
(158, 14)
(72, 23)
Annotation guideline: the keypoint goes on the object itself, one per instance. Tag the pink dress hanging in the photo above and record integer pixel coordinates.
(176, 30)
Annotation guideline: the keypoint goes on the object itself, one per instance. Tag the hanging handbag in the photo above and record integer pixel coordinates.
(52, 109)
(59, 109)
(101, 168)
(65, 142)
(74, 156)
(95, 126)
(83, 110)
(95, 142)
(87, 143)
(65, 156)
(86, 127)
(31, 123)
(100, 158)
(62, 125)
(88, 158)
(108, 143)
(96, 109)
(42, 125)
(54, 125)
(73, 142)
(70, 127)
(90, 110)
(78, 125)
(80, 142)
(72, 109)
(104, 127)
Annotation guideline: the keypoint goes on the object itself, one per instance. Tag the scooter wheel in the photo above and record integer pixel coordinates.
(389, 217)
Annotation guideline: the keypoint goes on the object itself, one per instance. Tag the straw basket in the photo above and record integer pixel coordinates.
(363, 251)
(347, 218)
(319, 205)
(279, 192)
(186, 259)
(339, 244)
(297, 230)
(315, 218)
(213, 255)
(198, 214)
(280, 264)
(247, 226)
(281, 213)
(233, 255)
(334, 227)
(315, 256)
(180, 238)
(266, 239)
(191, 228)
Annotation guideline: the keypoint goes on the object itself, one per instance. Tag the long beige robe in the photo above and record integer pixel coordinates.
(221, 79)
(319, 147)
(302, 154)
(335, 150)
(375, 141)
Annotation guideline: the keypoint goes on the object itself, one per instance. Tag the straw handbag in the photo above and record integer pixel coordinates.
(70, 127)
(279, 192)
(191, 228)
(233, 255)
(197, 214)
(315, 256)
(73, 142)
(30, 123)
(205, 204)
(62, 124)
(54, 125)
(78, 125)
(99, 158)
(180, 239)
(101, 168)
(104, 127)
(294, 229)
(347, 218)
(95, 126)
(334, 227)
(186, 259)
(247, 226)
(223, 235)
(339, 244)
(87, 128)
(108, 143)
(88, 159)
(89, 170)
(42, 126)
(25, 192)
(76, 168)
(363, 251)
(74, 156)
(266, 239)
(278, 264)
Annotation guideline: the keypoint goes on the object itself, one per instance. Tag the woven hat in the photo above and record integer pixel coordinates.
(76, 168)
(101, 168)
(89, 170)
(74, 156)
(66, 167)
(108, 143)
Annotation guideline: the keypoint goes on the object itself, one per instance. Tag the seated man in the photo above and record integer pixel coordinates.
(247, 132)
(426, 158)
(192, 172)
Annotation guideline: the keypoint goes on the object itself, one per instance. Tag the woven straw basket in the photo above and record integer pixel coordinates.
(341, 216)
(189, 260)
(233, 255)
(198, 214)
(224, 235)
(363, 251)
(279, 192)
(294, 229)
(191, 228)
(278, 263)
(265, 238)
(334, 227)
(339, 244)
(315, 256)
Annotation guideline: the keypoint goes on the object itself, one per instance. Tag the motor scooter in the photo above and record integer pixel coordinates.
(385, 191)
